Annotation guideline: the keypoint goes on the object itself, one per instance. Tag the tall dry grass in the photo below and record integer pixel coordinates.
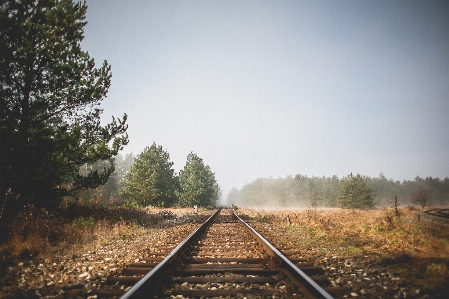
(35, 230)
(414, 249)
(363, 231)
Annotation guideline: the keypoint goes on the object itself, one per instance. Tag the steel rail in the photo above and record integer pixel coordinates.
(441, 215)
(309, 284)
(145, 286)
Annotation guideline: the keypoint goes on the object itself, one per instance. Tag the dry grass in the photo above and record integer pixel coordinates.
(364, 231)
(416, 251)
(36, 231)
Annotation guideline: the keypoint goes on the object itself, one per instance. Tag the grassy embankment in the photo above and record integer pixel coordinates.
(35, 232)
(416, 251)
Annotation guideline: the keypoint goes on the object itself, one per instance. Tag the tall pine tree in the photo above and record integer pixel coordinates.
(197, 183)
(355, 193)
(151, 179)
(50, 93)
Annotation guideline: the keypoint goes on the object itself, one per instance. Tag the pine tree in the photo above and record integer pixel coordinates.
(355, 193)
(51, 93)
(151, 179)
(197, 183)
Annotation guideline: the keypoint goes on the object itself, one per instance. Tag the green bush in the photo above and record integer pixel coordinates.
(84, 222)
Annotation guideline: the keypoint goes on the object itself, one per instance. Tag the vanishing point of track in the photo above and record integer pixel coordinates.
(224, 257)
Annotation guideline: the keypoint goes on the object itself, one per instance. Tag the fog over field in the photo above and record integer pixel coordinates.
(277, 88)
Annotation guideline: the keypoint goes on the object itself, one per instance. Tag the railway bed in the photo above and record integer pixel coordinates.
(224, 257)
(438, 214)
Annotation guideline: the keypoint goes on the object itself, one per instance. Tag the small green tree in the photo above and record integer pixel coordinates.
(355, 193)
(151, 179)
(197, 183)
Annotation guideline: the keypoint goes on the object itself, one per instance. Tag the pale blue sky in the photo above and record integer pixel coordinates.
(272, 88)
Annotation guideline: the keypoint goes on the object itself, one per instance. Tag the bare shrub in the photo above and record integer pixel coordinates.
(394, 205)
(388, 220)
(411, 208)
(421, 196)
(312, 213)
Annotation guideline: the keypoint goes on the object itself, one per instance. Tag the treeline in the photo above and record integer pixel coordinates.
(149, 179)
(303, 191)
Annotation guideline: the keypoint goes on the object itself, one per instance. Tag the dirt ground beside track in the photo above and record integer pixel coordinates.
(369, 254)
(372, 253)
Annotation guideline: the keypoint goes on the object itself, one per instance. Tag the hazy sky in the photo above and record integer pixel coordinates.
(272, 88)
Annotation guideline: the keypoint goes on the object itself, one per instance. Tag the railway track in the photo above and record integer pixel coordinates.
(444, 213)
(440, 214)
(224, 257)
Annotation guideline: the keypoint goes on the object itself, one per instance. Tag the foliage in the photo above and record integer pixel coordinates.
(109, 192)
(123, 166)
(355, 193)
(100, 193)
(151, 180)
(84, 222)
(420, 196)
(197, 184)
(288, 192)
(304, 191)
(51, 93)
(383, 189)
(233, 196)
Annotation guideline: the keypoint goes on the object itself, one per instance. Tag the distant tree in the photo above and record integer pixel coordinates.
(420, 196)
(332, 189)
(233, 196)
(302, 190)
(123, 166)
(109, 192)
(355, 193)
(50, 96)
(197, 183)
(315, 190)
(253, 194)
(151, 179)
(100, 194)
(383, 189)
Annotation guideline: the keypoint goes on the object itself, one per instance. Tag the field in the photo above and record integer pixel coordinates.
(363, 250)
(365, 253)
